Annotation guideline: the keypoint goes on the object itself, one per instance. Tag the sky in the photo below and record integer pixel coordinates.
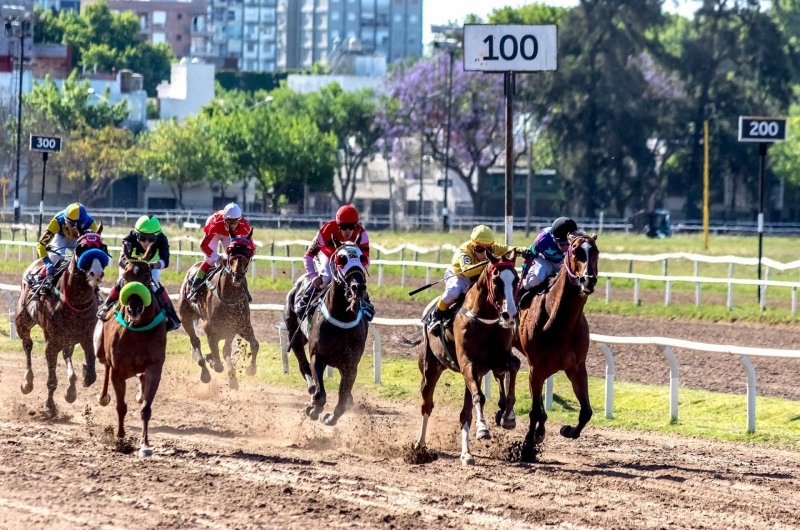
(440, 11)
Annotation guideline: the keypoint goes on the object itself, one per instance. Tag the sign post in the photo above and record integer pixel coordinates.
(44, 145)
(510, 50)
(764, 131)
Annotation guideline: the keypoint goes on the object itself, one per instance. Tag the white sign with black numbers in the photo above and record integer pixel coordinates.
(490, 48)
(762, 129)
(45, 144)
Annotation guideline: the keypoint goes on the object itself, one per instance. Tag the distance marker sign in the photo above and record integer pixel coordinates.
(45, 144)
(489, 48)
(762, 129)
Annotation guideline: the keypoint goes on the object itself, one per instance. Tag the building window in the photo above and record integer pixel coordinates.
(179, 37)
(159, 17)
(251, 47)
(412, 19)
(180, 16)
(231, 15)
(219, 14)
(159, 37)
(398, 19)
(335, 15)
(351, 16)
(334, 33)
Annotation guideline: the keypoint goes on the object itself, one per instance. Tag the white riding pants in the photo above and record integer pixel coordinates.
(540, 269)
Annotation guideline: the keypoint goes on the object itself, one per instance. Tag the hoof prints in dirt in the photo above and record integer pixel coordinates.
(517, 451)
(412, 454)
(125, 445)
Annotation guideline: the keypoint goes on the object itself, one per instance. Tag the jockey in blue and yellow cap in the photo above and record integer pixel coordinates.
(62, 234)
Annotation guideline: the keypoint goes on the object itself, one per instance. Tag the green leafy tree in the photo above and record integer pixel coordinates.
(533, 13)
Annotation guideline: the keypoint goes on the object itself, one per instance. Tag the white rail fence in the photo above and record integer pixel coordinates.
(296, 267)
(663, 344)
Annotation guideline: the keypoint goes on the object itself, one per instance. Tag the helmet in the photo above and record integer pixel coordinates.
(562, 227)
(148, 225)
(76, 213)
(232, 211)
(347, 214)
(482, 235)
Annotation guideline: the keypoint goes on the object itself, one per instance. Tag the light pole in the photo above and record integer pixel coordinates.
(17, 24)
(450, 45)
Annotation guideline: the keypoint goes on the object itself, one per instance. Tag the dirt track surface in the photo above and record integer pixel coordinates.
(250, 459)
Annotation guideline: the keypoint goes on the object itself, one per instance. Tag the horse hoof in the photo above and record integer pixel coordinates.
(71, 394)
(510, 425)
(312, 412)
(216, 365)
(233, 383)
(104, 400)
(205, 375)
(467, 460)
(328, 419)
(566, 432)
(251, 370)
(145, 452)
(26, 387)
(89, 377)
(483, 434)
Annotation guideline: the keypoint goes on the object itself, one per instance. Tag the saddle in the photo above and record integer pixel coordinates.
(206, 284)
(543, 288)
(39, 284)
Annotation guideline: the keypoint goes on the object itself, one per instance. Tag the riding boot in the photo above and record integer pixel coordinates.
(98, 296)
(436, 319)
(104, 308)
(173, 322)
(197, 282)
(368, 308)
(301, 308)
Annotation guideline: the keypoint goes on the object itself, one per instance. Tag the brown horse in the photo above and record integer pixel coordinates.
(336, 335)
(133, 343)
(224, 310)
(66, 315)
(554, 335)
(478, 342)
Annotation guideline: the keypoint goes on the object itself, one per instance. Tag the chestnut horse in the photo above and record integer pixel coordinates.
(336, 334)
(66, 315)
(478, 342)
(554, 335)
(133, 343)
(224, 310)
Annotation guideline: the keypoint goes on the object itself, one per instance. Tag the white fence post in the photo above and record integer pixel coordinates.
(380, 275)
(487, 385)
(330, 372)
(272, 267)
(283, 333)
(12, 302)
(697, 294)
(608, 289)
(427, 275)
(751, 394)
(610, 371)
(668, 293)
(294, 271)
(794, 300)
(636, 291)
(548, 393)
(253, 270)
(403, 278)
(376, 354)
(730, 297)
(674, 381)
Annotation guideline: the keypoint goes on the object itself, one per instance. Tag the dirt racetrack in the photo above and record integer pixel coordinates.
(250, 459)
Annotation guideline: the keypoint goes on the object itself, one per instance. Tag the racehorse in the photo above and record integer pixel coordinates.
(554, 335)
(336, 333)
(66, 316)
(224, 309)
(480, 338)
(133, 343)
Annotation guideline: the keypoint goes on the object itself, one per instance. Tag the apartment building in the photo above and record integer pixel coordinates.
(182, 25)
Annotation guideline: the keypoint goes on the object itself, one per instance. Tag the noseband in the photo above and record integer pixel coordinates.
(574, 278)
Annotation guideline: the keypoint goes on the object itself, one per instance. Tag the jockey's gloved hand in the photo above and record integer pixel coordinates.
(527, 254)
(49, 265)
(317, 282)
(156, 265)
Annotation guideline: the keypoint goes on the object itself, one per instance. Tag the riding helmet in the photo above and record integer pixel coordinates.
(232, 211)
(347, 214)
(76, 212)
(148, 225)
(562, 227)
(482, 235)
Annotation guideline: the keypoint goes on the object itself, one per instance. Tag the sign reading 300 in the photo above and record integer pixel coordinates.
(490, 48)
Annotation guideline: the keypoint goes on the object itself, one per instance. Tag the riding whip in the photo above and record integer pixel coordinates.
(424, 287)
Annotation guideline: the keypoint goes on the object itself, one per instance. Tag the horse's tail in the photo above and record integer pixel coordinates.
(411, 340)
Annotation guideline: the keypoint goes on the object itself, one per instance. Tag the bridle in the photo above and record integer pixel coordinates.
(341, 276)
(489, 270)
(237, 252)
(572, 276)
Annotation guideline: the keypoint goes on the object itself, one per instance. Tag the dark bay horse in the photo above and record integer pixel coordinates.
(133, 343)
(554, 335)
(224, 310)
(336, 335)
(66, 316)
(478, 342)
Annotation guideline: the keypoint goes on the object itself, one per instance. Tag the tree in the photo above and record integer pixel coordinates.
(69, 106)
(533, 13)
(180, 155)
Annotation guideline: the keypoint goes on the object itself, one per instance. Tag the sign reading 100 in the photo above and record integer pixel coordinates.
(490, 48)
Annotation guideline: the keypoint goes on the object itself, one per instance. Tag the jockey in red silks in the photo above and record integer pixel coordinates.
(345, 228)
(217, 229)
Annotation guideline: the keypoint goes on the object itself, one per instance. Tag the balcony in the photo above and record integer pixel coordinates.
(200, 31)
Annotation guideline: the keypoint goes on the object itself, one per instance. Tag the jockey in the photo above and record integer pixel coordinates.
(344, 228)
(147, 232)
(548, 249)
(217, 229)
(458, 279)
(62, 234)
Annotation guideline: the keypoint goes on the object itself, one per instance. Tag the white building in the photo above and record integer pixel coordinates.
(190, 87)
